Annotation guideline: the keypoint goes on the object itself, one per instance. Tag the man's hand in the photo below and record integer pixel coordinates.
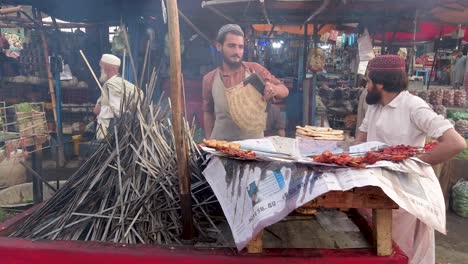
(269, 92)
(97, 109)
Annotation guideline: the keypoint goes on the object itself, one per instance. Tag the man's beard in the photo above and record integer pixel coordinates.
(230, 63)
(373, 96)
(103, 78)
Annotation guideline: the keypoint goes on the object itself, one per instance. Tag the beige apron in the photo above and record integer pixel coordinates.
(224, 127)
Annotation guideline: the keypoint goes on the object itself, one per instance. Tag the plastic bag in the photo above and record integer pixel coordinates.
(118, 43)
(460, 198)
(366, 52)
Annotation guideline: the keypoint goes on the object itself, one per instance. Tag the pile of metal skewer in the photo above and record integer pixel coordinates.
(127, 191)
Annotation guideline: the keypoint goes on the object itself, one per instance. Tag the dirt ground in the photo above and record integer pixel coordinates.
(453, 247)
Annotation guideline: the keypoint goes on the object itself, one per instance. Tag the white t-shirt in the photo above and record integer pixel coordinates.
(407, 119)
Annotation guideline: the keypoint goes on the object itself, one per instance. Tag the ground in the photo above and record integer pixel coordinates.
(453, 247)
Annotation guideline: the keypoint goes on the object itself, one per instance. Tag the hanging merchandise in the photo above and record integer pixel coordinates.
(316, 60)
(15, 37)
(351, 39)
(366, 53)
(324, 38)
(333, 35)
(339, 42)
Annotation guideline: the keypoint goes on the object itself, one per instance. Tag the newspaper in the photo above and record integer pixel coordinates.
(257, 194)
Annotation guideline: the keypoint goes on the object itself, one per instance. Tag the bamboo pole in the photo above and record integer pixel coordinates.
(49, 74)
(50, 78)
(92, 72)
(176, 101)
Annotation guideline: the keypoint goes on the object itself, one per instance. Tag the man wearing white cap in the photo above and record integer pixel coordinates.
(115, 89)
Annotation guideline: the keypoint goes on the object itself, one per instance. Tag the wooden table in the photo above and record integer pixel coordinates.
(369, 197)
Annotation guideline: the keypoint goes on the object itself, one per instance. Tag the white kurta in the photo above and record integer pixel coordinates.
(116, 89)
(407, 120)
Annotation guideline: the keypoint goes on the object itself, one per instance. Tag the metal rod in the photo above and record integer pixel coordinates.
(195, 28)
(221, 14)
(36, 175)
(265, 13)
(220, 2)
(314, 80)
(318, 11)
(436, 48)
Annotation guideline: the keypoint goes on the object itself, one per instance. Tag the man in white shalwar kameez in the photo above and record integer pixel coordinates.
(115, 89)
(395, 116)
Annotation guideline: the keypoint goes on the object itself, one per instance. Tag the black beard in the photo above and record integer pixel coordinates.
(373, 96)
(232, 64)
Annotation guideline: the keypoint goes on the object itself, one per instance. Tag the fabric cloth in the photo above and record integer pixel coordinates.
(387, 63)
(362, 109)
(115, 90)
(230, 80)
(110, 59)
(274, 121)
(407, 120)
(230, 28)
(459, 71)
(224, 127)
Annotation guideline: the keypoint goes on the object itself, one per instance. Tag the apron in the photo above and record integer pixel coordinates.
(224, 127)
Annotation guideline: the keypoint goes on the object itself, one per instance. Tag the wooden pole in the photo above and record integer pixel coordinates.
(177, 122)
(9, 10)
(50, 78)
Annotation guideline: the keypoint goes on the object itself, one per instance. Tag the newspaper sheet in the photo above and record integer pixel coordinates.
(257, 194)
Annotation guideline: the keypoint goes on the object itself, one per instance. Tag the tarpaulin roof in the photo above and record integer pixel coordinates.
(452, 11)
(427, 31)
(244, 12)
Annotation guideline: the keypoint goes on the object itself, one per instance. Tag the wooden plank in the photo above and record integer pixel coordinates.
(364, 197)
(382, 220)
(255, 246)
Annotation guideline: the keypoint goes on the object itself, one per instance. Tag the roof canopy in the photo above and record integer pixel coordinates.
(427, 31)
(452, 11)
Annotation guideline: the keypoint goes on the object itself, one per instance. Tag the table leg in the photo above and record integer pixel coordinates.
(382, 219)
(255, 245)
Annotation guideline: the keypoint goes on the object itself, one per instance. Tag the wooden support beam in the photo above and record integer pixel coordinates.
(177, 122)
(364, 197)
(9, 10)
(382, 220)
(255, 246)
(370, 197)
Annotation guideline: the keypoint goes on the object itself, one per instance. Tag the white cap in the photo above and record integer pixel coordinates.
(110, 59)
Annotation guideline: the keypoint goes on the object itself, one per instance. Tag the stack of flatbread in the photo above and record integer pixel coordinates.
(320, 133)
(220, 144)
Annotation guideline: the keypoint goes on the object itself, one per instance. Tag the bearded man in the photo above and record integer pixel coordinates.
(217, 121)
(115, 89)
(394, 116)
